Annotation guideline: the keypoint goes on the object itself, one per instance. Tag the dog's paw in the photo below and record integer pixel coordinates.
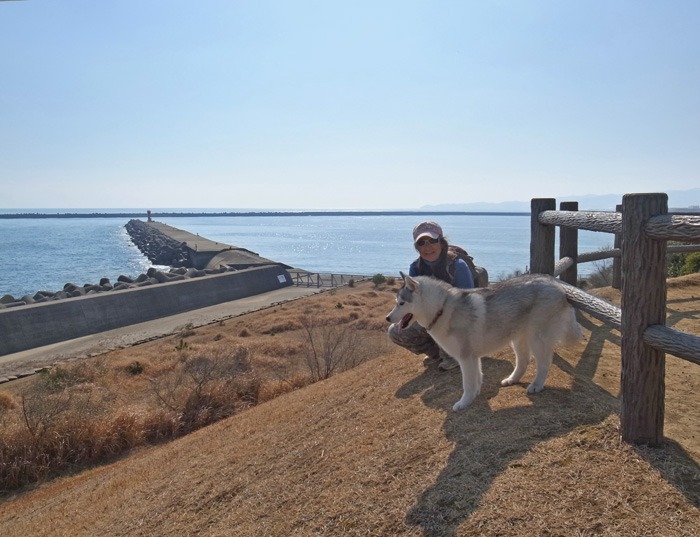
(535, 388)
(508, 381)
(460, 405)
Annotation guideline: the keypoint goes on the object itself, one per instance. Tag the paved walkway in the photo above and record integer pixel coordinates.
(26, 362)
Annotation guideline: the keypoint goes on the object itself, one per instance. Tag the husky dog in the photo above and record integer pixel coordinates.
(530, 312)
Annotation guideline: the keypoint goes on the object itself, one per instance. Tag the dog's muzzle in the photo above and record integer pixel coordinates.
(404, 322)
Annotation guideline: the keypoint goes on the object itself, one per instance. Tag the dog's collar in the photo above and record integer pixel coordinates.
(437, 315)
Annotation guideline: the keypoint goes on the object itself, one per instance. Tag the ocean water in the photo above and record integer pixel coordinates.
(45, 254)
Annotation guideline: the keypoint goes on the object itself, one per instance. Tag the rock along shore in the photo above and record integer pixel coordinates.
(158, 244)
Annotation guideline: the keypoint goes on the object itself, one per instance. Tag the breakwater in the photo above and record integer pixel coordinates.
(187, 255)
(167, 245)
(227, 273)
(158, 247)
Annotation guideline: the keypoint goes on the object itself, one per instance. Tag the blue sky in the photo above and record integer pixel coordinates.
(344, 105)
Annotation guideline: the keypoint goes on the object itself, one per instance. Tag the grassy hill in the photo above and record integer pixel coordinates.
(376, 450)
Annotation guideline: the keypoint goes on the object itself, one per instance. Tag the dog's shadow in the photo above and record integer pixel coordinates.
(487, 442)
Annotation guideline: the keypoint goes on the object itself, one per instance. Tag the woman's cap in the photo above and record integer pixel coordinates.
(427, 229)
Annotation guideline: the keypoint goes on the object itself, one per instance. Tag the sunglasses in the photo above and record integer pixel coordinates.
(423, 242)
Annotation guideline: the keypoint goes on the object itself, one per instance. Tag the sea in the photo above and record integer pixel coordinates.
(46, 253)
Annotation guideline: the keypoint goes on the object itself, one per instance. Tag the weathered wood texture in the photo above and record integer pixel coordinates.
(678, 248)
(616, 253)
(674, 227)
(602, 254)
(642, 227)
(597, 307)
(607, 222)
(568, 245)
(541, 237)
(670, 340)
(617, 262)
(643, 302)
(564, 264)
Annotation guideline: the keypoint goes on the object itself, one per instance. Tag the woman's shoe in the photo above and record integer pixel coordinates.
(447, 363)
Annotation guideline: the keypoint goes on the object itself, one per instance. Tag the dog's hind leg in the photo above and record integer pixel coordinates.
(471, 381)
(543, 350)
(522, 358)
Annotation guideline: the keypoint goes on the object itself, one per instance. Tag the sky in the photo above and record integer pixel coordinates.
(344, 105)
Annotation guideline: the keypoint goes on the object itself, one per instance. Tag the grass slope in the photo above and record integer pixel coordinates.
(376, 451)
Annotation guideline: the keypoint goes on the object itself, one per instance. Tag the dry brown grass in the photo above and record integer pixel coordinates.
(66, 418)
(376, 451)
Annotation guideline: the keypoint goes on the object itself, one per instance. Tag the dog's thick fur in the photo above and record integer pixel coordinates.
(530, 312)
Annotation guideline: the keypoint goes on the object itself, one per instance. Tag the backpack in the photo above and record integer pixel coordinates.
(479, 274)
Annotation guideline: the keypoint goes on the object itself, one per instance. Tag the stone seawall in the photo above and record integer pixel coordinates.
(36, 325)
(166, 245)
(159, 248)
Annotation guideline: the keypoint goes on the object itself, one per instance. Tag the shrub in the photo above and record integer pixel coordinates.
(332, 348)
(6, 402)
(378, 279)
(202, 389)
(58, 379)
(674, 264)
(691, 264)
(135, 368)
(682, 263)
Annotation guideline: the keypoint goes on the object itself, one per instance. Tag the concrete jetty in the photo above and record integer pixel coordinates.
(167, 245)
(238, 273)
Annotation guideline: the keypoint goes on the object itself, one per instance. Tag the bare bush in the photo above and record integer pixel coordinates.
(7, 404)
(514, 274)
(44, 407)
(602, 276)
(205, 386)
(330, 348)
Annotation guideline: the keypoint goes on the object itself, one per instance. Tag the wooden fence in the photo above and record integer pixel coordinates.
(642, 227)
(302, 278)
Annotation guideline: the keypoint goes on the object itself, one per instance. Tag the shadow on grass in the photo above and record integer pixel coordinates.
(488, 441)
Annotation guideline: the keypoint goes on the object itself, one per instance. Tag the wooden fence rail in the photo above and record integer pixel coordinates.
(642, 226)
(302, 278)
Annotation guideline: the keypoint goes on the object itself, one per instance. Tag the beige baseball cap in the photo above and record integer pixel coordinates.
(427, 229)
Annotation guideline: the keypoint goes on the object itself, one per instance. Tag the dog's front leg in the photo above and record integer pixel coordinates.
(471, 381)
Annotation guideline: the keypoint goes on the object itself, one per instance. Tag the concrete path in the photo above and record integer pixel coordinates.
(194, 242)
(205, 253)
(26, 362)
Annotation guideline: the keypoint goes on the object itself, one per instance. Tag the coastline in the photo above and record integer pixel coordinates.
(167, 214)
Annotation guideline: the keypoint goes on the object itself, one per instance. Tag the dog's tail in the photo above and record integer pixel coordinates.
(572, 333)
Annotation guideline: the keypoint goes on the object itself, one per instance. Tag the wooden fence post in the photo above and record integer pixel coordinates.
(616, 264)
(643, 301)
(568, 245)
(541, 237)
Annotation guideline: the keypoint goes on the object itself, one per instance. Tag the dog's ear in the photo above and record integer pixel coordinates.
(411, 284)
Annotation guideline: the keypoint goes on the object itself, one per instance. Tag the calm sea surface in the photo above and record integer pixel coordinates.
(45, 254)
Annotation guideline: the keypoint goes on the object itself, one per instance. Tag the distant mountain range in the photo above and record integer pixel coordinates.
(678, 200)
